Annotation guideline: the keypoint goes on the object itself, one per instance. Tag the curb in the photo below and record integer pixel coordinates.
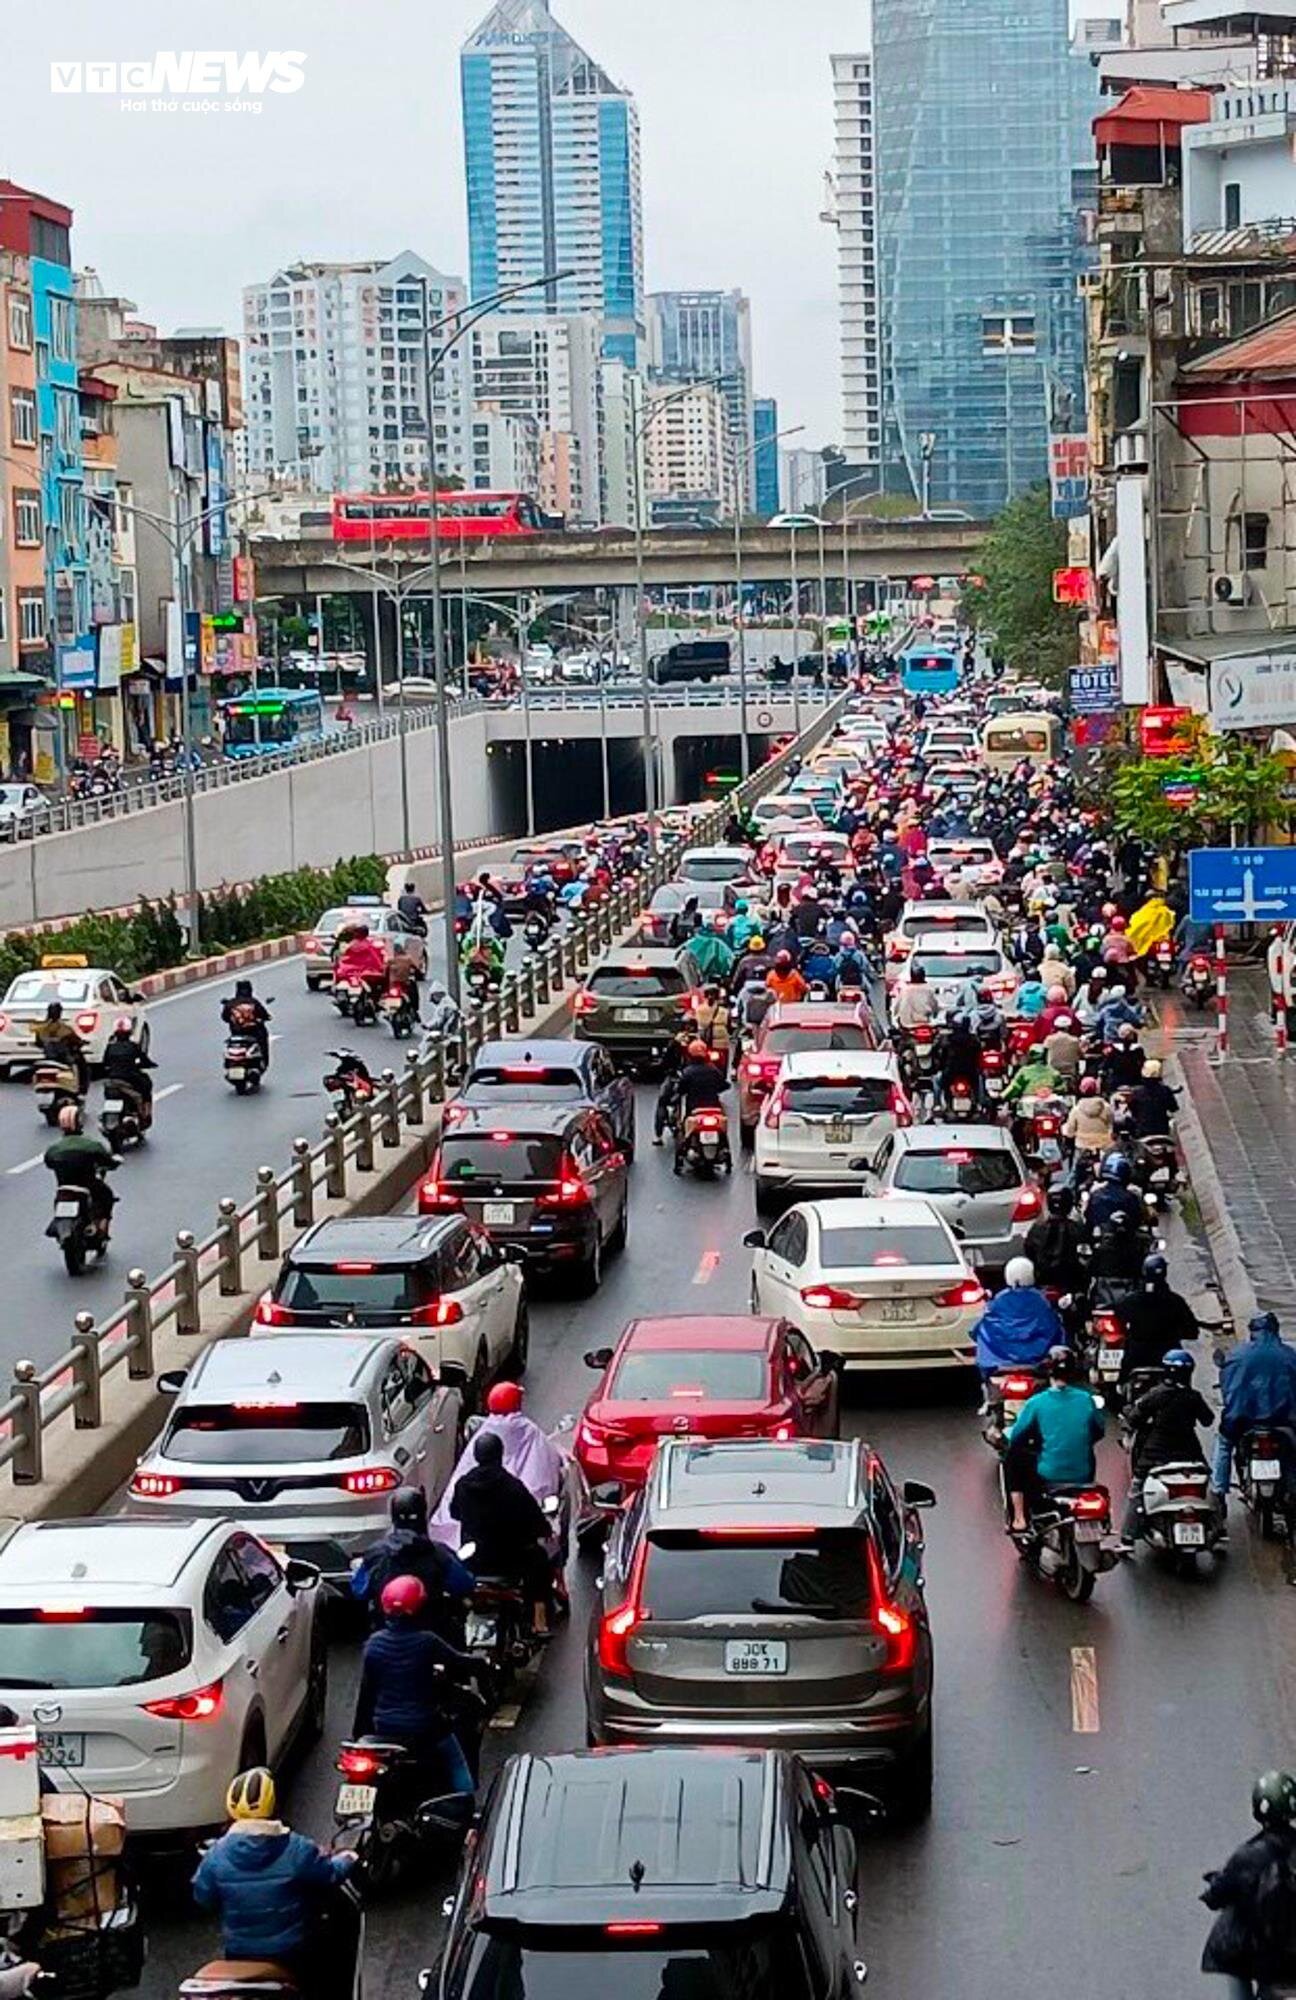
(1222, 1239)
(215, 968)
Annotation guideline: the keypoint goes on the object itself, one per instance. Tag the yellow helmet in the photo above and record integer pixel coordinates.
(252, 1795)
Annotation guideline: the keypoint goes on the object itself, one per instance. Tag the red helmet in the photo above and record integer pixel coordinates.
(1088, 1086)
(697, 1051)
(1118, 923)
(403, 1597)
(504, 1400)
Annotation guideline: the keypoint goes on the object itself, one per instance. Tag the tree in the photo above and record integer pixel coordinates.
(1014, 597)
(1227, 784)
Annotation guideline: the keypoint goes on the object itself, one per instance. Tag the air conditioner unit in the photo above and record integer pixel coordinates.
(1231, 587)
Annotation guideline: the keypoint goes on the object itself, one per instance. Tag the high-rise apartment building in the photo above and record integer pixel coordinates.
(699, 336)
(688, 454)
(547, 370)
(551, 158)
(979, 254)
(854, 212)
(765, 458)
(336, 377)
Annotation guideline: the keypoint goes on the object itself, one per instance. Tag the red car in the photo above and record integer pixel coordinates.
(720, 1376)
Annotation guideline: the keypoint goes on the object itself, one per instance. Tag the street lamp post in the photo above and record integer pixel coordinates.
(927, 449)
(793, 430)
(796, 625)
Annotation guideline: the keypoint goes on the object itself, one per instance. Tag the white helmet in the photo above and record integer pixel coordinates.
(1019, 1274)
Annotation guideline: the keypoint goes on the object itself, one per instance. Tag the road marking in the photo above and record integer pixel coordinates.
(203, 987)
(170, 1091)
(1084, 1691)
(25, 1166)
(706, 1270)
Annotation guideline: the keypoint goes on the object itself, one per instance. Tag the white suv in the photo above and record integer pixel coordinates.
(158, 1659)
(824, 1120)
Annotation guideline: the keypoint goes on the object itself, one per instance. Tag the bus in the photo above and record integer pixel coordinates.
(462, 516)
(271, 718)
(929, 671)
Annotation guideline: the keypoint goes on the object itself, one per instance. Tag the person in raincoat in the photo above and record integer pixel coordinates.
(530, 1454)
(1151, 922)
(1019, 1326)
(710, 954)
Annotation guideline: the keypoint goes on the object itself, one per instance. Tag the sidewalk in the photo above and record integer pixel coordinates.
(1238, 1136)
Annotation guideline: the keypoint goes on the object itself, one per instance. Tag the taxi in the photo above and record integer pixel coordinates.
(385, 925)
(93, 999)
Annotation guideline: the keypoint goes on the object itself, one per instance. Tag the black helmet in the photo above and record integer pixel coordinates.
(1273, 1798)
(1155, 1270)
(1061, 1200)
(1061, 1364)
(1115, 1167)
(409, 1509)
(1262, 1323)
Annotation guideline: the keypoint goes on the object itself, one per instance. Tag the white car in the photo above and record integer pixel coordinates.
(92, 998)
(976, 860)
(824, 1120)
(799, 852)
(882, 1283)
(714, 864)
(18, 803)
(157, 1659)
(304, 1437)
(921, 919)
(951, 740)
(950, 961)
(783, 805)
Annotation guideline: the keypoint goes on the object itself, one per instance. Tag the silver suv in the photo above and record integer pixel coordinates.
(771, 1594)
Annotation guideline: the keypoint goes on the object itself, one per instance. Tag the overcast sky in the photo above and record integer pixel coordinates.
(178, 211)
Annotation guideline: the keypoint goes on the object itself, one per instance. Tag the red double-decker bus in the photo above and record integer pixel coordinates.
(461, 516)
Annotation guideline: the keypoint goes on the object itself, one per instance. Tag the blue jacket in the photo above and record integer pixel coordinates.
(266, 1890)
(852, 970)
(1258, 1385)
(399, 1694)
(1068, 1423)
(1113, 1014)
(819, 965)
(1030, 999)
(1017, 1326)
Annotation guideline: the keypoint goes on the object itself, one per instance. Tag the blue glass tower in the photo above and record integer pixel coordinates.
(765, 458)
(979, 248)
(551, 162)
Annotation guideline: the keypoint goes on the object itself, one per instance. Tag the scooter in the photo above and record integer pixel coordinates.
(380, 1808)
(56, 1085)
(1068, 1540)
(703, 1143)
(1158, 965)
(339, 1937)
(1155, 1159)
(75, 1228)
(1176, 1515)
(125, 1118)
(349, 1082)
(1260, 1457)
(397, 1009)
(1007, 1392)
(1197, 980)
(535, 931)
(960, 1102)
(245, 1064)
(993, 1080)
(356, 999)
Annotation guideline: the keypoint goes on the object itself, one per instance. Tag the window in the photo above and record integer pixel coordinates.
(1232, 204)
(27, 517)
(1255, 541)
(228, 1601)
(31, 618)
(22, 416)
(105, 1648)
(20, 320)
(886, 1517)
(789, 1239)
(261, 1572)
(69, 513)
(67, 422)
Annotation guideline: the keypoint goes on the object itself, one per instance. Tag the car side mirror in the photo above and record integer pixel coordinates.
(449, 1814)
(599, 1358)
(915, 1494)
(862, 1165)
(171, 1381)
(300, 1576)
(754, 1239)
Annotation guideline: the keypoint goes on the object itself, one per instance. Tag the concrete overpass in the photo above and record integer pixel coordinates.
(605, 559)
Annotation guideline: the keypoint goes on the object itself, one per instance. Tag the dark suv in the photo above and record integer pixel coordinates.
(548, 1180)
(769, 1593)
(653, 1873)
(553, 1072)
(636, 1000)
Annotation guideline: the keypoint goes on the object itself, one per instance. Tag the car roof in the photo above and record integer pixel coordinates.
(545, 1053)
(949, 942)
(327, 1365)
(522, 1116)
(389, 1239)
(811, 1013)
(840, 1062)
(874, 1212)
(939, 1138)
(100, 1558)
(652, 1835)
(943, 909)
(816, 1480)
(710, 1330)
(722, 851)
(646, 954)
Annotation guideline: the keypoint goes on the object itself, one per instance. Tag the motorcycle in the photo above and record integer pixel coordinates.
(355, 1000)
(1176, 1515)
(76, 1229)
(244, 1064)
(1007, 1392)
(1106, 1344)
(1158, 965)
(1068, 1540)
(535, 931)
(1155, 1159)
(703, 1143)
(993, 1080)
(56, 1085)
(380, 1808)
(1040, 1126)
(1260, 1457)
(125, 1118)
(918, 1056)
(482, 976)
(960, 1102)
(397, 1010)
(349, 1082)
(1197, 980)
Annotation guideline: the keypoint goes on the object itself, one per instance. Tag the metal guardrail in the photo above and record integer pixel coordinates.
(216, 1263)
(718, 693)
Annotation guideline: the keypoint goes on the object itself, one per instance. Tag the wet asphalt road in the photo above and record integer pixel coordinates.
(1067, 1840)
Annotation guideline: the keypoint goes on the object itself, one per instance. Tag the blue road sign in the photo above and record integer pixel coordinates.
(1094, 690)
(1242, 885)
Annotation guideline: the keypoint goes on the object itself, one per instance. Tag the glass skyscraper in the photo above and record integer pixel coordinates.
(978, 108)
(765, 418)
(551, 159)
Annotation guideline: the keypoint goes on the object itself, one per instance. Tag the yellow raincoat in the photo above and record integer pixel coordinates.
(1148, 925)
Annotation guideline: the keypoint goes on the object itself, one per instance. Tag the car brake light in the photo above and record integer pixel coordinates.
(896, 1626)
(970, 1293)
(86, 1023)
(358, 1764)
(1018, 1385)
(632, 1930)
(1090, 1506)
(959, 1155)
(270, 1313)
(374, 1479)
(829, 1298)
(571, 1192)
(436, 1195)
(441, 1312)
(584, 1003)
(775, 1106)
(355, 1270)
(899, 1106)
(1030, 1203)
(62, 1614)
(200, 1706)
(532, 1072)
(155, 1485)
(617, 1627)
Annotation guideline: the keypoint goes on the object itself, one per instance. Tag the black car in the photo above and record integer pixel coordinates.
(554, 1072)
(646, 1873)
(547, 1180)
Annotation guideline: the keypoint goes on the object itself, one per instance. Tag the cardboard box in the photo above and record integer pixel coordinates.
(81, 1892)
(22, 1862)
(77, 1826)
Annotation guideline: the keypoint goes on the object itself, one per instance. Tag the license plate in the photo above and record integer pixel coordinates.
(479, 1631)
(1050, 1150)
(1089, 1531)
(1265, 1468)
(355, 1801)
(756, 1656)
(497, 1214)
(62, 1749)
(838, 1132)
(898, 1312)
(1160, 1175)
(633, 1014)
(1189, 1535)
(1109, 1361)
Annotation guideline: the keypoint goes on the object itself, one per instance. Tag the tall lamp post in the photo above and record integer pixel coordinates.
(792, 430)
(927, 450)
(839, 493)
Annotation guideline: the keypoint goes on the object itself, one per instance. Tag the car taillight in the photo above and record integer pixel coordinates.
(590, 1436)
(763, 1069)
(571, 1192)
(435, 1196)
(829, 1298)
(896, 1626)
(441, 1312)
(645, 1929)
(155, 1485)
(900, 1106)
(86, 1023)
(200, 1706)
(970, 1293)
(4, 1023)
(617, 1627)
(270, 1313)
(1108, 1328)
(1090, 1506)
(584, 1003)
(1030, 1203)
(374, 1479)
(358, 1763)
(775, 1106)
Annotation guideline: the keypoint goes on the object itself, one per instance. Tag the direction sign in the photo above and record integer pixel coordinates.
(1242, 885)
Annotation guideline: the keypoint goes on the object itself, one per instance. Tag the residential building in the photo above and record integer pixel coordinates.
(979, 253)
(1158, 47)
(546, 370)
(854, 211)
(1238, 171)
(505, 453)
(765, 458)
(551, 162)
(804, 481)
(622, 411)
(23, 626)
(688, 454)
(700, 336)
(336, 374)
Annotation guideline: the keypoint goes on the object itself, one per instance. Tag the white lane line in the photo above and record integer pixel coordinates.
(25, 1166)
(708, 1267)
(1084, 1691)
(170, 1091)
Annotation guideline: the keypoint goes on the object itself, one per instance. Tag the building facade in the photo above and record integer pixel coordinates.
(699, 336)
(854, 212)
(765, 458)
(505, 453)
(688, 455)
(545, 370)
(979, 254)
(551, 162)
(23, 632)
(336, 376)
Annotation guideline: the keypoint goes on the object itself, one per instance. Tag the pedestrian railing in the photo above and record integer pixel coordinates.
(207, 1270)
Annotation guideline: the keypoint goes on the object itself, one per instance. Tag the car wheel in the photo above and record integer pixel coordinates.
(315, 1707)
(910, 1786)
(591, 1271)
(516, 1363)
(767, 1197)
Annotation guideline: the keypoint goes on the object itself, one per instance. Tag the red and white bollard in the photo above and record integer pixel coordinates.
(1280, 1002)
(1221, 996)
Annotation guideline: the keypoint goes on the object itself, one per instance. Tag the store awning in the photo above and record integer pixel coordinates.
(1211, 648)
(20, 686)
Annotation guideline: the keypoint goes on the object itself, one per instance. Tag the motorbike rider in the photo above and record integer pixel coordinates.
(1062, 1049)
(917, 1004)
(851, 968)
(503, 1521)
(711, 1019)
(1163, 1427)
(710, 953)
(784, 980)
(743, 926)
(244, 1014)
(266, 1883)
(1019, 1326)
(1035, 1078)
(1057, 1245)
(403, 1696)
(988, 1019)
(1154, 1319)
(362, 958)
(1113, 1195)
(407, 1550)
(685, 922)
(958, 1059)
(1052, 1441)
(60, 1043)
(1123, 1064)
(1257, 1388)
(700, 1085)
(79, 1160)
(1152, 1102)
(754, 964)
(1251, 1940)
(411, 906)
(127, 1064)
(1089, 1121)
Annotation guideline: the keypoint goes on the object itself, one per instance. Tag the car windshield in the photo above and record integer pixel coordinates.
(703, 1578)
(365, 1291)
(956, 1170)
(938, 920)
(976, 851)
(637, 982)
(958, 964)
(665, 1374)
(525, 1079)
(496, 1968)
(837, 1096)
(501, 1156)
(789, 1038)
(118, 1647)
(866, 1249)
(332, 921)
(39, 988)
(266, 1434)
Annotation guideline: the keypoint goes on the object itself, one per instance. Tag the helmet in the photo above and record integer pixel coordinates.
(1098, 976)
(504, 1400)
(123, 1028)
(848, 940)
(360, 931)
(409, 1509)
(918, 975)
(410, 890)
(1263, 1323)
(1061, 1364)
(1273, 1798)
(1128, 1031)
(1179, 1363)
(740, 907)
(1155, 1269)
(985, 995)
(1057, 996)
(403, 1597)
(1061, 1201)
(252, 1795)
(1088, 1086)
(697, 1051)
(1115, 1167)
(782, 960)
(960, 1023)
(1067, 1022)
(1118, 923)
(69, 1118)
(755, 942)
(1019, 1274)
(1109, 911)
(1152, 1068)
